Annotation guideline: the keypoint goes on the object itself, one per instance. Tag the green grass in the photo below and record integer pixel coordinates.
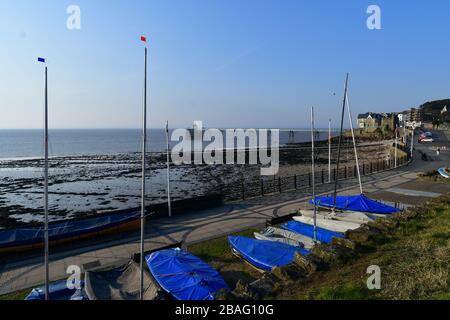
(346, 292)
(19, 295)
(414, 262)
(217, 253)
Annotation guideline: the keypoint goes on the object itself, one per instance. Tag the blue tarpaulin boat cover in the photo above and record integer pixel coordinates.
(184, 276)
(355, 203)
(265, 255)
(323, 235)
(63, 230)
(58, 291)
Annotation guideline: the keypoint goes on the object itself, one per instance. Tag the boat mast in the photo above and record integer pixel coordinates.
(339, 144)
(329, 151)
(169, 202)
(144, 150)
(46, 240)
(396, 145)
(313, 174)
(354, 145)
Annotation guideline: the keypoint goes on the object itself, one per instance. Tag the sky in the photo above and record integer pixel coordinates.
(229, 63)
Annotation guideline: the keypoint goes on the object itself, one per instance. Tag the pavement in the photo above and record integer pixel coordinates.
(394, 186)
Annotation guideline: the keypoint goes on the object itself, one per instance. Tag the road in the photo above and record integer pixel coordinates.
(26, 271)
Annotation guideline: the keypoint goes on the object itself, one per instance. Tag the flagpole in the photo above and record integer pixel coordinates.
(329, 151)
(169, 202)
(313, 174)
(46, 240)
(144, 150)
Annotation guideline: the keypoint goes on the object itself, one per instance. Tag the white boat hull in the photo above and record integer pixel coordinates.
(285, 236)
(328, 223)
(347, 216)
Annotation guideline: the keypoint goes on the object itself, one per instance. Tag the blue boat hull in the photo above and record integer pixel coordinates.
(323, 235)
(265, 255)
(184, 276)
(355, 203)
(20, 240)
(58, 291)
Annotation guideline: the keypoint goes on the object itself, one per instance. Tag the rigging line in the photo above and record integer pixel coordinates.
(340, 142)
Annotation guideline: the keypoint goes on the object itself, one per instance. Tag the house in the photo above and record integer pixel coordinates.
(389, 121)
(369, 121)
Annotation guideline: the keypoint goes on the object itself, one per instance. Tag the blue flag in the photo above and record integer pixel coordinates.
(41, 60)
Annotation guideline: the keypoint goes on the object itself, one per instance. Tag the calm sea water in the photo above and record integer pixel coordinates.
(29, 143)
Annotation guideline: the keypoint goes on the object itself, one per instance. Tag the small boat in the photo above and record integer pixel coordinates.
(184, 276)
(264, 255)
(121, 283)
(58, 291)
(329, 224)
(443, 172)
(347, 216)
(323, 235)
(359, 203)
(284, 236)
(21, 240)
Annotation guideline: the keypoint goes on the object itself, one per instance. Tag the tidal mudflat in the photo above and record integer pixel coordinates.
(85, 185)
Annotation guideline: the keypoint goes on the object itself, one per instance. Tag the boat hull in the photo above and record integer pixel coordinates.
(329, 224)
(128, 224)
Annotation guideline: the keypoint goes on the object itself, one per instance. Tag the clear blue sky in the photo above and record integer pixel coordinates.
(230, 63)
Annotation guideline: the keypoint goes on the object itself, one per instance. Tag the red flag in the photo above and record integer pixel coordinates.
(143, 39)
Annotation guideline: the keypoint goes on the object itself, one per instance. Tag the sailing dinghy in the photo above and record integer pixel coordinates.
(444, 173)
(28, 239)
(184, 276)
(348, 216)
(58, 291)
(329, 224)
(323, 235)
(359, 203)
(264, 255)
(284, 236)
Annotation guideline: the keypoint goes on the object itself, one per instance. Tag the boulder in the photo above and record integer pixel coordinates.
(288, 273)
(362, 235)
(245, 292)
(265, 286)
(344, 243)
(331, 254)
(306, 264)
(224, 295)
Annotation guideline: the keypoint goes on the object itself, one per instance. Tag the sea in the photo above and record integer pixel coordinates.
(99, 170)
(18, 144)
